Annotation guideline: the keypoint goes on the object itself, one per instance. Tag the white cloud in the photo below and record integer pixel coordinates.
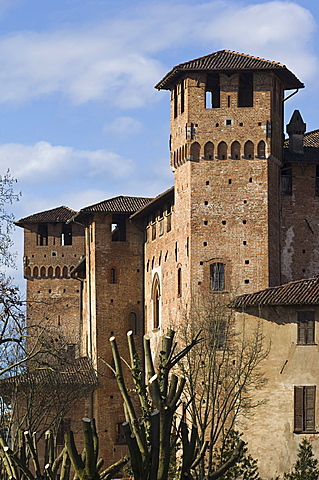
(123, 127)
(280, 31)
(43, 163)
(116, 60)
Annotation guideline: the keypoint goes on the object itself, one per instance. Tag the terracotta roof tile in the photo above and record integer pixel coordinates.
(155, 202)
(58, 214)
(311, 149)
(229, 60)
(117, 205)
(300, 292)
(80, 371)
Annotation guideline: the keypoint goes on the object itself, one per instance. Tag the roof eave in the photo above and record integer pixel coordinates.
(288, 78)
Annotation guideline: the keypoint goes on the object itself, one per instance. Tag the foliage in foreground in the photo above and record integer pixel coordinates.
(245, 469)
(27, 464)
(306, 466)
(151, 429)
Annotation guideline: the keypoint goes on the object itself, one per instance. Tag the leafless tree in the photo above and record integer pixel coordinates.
(222, 372)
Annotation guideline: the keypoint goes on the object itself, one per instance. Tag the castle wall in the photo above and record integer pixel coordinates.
(299, 225)
(112, 306)
(270, 430)
(53, 296)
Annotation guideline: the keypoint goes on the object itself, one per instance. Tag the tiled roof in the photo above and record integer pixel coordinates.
(301, 292)
(80, 371)
(311, 149)
(229, 60)
(311, 139)
(118, 205)
(59, 214)
(160, 199)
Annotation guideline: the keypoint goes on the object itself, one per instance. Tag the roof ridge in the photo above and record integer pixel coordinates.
(112, 199)
(311, 131)
(253, 56)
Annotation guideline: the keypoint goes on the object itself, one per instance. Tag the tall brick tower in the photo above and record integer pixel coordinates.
(51, 249)
(226, 150)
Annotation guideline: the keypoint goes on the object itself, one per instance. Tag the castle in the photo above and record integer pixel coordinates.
(242, 218)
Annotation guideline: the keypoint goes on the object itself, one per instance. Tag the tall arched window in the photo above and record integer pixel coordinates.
(209, 151)
(65, 272)
(57, 271)
(42, 272)
(35, 271)
(261, 149)
(156, 298)
(217, 276)
(50, 272)
(249, 150)
(195, 151)
(132, 323)
(28, 272)
(235, 150)
(113, 276)
(222, 151)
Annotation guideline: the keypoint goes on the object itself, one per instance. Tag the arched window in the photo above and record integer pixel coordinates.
(65, 272)
(132, 323)
(217, 276)
(50, 272)
(35, 271)
(42, 272)
(249, 150)
(57, 271)
(179, 282)
(209, 151)
(235, 150)
(156, 298)
(113, 276)
(222, 151)
(195, 151)
(261, 149)
(28, 272)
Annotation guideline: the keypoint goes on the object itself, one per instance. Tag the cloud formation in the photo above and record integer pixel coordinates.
(44, 164)
(116, 60)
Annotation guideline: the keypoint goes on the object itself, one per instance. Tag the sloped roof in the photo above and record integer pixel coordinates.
(300, 292)
(160, 199)
(118, 204)
(230, 61)
(80, 371)
(58, 214)
(311, 149)
(311, 139)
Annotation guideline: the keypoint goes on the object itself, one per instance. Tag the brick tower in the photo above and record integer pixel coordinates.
(51, 249)
(226, 150)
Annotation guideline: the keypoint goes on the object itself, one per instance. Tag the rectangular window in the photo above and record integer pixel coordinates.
(42, 237)
(66, 235)
(286, 179)
(304, 406)
(245, 91)
(212, 99)
(217, 277)
(64, 427)
(118, 228)
(306, 328)
(120, 436)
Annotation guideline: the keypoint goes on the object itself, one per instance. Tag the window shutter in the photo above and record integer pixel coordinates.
(298, 421)
(310, 317)
(302, 328)
(310, 396)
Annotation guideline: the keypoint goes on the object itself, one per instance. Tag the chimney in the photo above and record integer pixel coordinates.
(296, 129)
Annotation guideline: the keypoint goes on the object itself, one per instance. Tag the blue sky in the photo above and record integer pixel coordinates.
(80, 118)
